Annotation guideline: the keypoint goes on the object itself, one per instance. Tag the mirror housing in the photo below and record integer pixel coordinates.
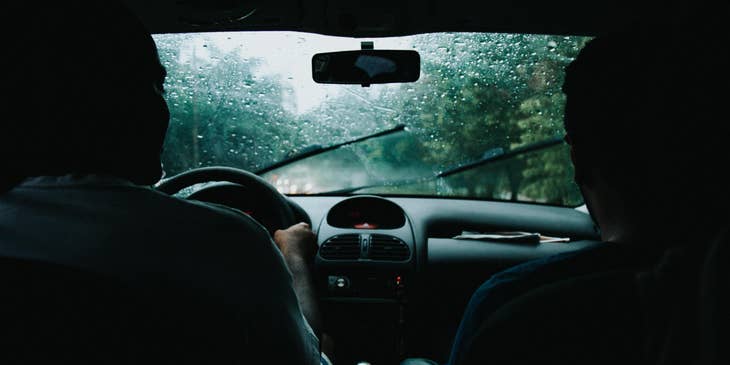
(365, 67)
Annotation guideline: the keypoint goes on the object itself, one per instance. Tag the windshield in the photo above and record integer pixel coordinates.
(247, 100)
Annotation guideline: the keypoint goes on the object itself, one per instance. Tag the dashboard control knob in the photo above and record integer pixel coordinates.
(338, 282)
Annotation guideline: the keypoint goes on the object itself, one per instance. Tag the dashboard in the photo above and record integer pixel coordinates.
(392, 277)
(366, 245)
(391, 273)
(394, 281)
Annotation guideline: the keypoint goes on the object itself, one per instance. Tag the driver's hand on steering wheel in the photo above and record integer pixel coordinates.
(296, 243)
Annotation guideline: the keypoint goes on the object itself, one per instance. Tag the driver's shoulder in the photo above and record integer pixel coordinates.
(198, 215)
(214, 232)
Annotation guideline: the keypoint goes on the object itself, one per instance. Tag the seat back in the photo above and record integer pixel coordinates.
(55, 314)
(687, 305)
(714, 305)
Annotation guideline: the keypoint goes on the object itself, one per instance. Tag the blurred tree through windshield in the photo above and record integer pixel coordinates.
(247, 100)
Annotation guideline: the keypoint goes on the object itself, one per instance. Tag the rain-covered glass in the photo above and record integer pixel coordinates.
(248, 100)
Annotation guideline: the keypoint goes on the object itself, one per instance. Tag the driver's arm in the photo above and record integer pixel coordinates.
(298, 246)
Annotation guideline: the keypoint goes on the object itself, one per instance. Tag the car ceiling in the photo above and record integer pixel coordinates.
(378, 18)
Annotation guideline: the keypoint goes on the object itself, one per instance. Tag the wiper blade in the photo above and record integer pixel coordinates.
(491, 156)
(317, 149)
(494, 155)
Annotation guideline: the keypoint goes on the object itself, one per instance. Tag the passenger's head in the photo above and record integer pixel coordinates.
(85, 82)
(645, 120)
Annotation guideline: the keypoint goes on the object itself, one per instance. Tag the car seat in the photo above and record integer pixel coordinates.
(714, 315)
(51, 313)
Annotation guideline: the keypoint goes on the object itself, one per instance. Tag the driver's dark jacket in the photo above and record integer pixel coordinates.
(136, 234)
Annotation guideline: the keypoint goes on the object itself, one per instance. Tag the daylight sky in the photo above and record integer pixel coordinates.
(287, 56)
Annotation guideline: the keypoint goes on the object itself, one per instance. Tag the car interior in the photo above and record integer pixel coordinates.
(401, 250)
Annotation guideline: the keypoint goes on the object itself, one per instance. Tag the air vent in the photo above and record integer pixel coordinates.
(342, 247)
(388, 248)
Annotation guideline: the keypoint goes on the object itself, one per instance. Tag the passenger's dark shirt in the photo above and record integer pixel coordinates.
(510, 284)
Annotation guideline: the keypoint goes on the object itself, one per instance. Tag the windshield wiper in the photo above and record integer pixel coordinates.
(498, 154)
(490, 156)
(313, 150)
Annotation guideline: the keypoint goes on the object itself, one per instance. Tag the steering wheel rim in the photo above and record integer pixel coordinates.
(284, 216)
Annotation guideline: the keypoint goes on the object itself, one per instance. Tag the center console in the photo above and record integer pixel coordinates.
(364, 265)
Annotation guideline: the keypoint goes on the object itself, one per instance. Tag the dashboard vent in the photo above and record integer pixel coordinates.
(388, 248)
(342, 247)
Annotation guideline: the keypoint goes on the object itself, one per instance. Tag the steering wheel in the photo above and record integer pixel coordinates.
(241, 183)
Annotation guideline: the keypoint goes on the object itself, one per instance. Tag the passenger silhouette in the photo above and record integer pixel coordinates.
(645, 123)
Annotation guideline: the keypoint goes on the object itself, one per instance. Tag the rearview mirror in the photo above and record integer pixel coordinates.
(365, 67)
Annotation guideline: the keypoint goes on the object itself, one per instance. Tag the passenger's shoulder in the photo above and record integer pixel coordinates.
(554, 267)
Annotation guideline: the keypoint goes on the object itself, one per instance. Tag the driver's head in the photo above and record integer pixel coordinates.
(644, 119)
(86, 82)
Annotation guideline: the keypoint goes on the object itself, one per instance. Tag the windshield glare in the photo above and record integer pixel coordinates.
(247, 100)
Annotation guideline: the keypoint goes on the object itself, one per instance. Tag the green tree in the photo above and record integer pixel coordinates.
(224, 113)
